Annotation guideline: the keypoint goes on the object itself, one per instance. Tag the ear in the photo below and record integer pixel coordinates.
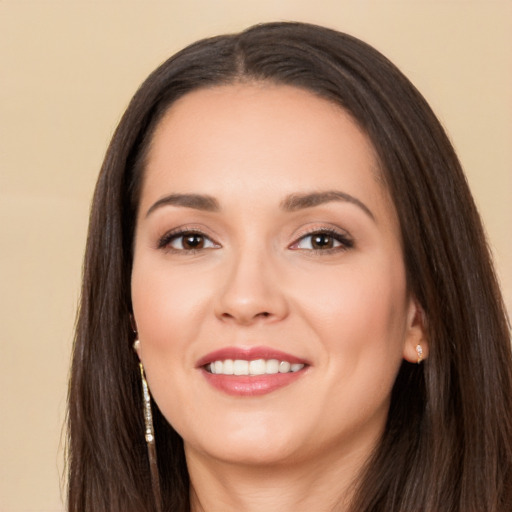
(416, 345)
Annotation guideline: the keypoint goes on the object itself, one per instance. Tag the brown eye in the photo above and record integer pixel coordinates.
(322, 241)
(192, 241)
(186, 241)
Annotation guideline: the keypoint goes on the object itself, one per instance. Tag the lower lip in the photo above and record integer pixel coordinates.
(256, 385)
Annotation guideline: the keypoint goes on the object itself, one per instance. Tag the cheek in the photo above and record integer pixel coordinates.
(362, 311)
(168, 306)
(360, 325)
(166, 303)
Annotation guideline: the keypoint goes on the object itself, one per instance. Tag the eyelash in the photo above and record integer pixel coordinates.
(168, 238)
(344, 241)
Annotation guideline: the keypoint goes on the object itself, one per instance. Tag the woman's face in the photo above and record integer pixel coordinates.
(264, 234)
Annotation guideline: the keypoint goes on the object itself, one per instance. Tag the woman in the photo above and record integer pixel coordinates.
(283, 233)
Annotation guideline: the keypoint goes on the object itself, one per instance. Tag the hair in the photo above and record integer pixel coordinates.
(447, 444)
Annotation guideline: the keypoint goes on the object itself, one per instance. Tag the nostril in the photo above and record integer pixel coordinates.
(229, 316)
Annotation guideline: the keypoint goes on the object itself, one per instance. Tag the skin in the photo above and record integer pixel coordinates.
(258, 280)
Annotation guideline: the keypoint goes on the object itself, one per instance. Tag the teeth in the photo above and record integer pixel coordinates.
(255, 367)
(240, 367)
(228, 367)
(284, 367)
(272, 366)
(258, 367)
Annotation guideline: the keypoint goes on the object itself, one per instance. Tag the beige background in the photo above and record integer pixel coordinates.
(68, 69)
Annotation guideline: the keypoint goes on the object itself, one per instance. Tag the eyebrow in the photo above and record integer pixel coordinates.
(291, 203)
(296, 202)
(196, 201)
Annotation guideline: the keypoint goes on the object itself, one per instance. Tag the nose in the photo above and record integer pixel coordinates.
(252, 292)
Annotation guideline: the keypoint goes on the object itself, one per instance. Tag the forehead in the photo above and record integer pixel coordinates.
(220, 113)
(259, 138)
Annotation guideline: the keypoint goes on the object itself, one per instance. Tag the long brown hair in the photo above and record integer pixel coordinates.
(447, 445)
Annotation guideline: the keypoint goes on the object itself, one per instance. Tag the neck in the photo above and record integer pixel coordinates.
(294, 487)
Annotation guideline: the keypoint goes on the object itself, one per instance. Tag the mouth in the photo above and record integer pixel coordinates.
(251, 371)
(253, 368)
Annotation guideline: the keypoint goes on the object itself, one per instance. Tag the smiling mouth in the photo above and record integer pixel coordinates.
(256, 367)
(251, 371)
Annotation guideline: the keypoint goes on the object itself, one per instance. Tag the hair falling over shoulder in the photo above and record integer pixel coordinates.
(447, 446)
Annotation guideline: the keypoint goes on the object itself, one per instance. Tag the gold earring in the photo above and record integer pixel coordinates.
(148, 416)
(149, 434)
(419, 351)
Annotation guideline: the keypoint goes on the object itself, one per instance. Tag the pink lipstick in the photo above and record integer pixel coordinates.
(251, 371)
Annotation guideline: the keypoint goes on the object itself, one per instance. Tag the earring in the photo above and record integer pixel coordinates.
(148, 416)
(149, 434)
(419, 351)
(146, 398)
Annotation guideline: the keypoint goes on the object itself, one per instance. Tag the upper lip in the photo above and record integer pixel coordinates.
(249, 354)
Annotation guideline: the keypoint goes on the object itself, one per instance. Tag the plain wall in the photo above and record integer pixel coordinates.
(67, 71)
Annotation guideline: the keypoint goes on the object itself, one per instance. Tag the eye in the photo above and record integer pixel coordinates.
(323, 240)
(187, 241)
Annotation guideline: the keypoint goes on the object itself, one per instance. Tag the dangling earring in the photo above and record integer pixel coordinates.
(149, 434)
(148, 416)
(419, 351)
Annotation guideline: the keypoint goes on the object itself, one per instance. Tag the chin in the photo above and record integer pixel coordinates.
(250, 446)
